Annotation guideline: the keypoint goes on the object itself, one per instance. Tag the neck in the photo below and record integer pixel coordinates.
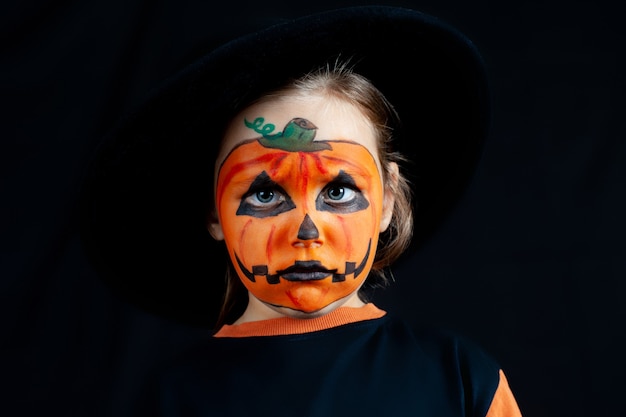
(258, 310)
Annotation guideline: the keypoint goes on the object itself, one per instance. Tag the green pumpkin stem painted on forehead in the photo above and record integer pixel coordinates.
(297, 136)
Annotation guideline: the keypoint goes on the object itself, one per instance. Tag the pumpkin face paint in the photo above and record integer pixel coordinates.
(300, 217)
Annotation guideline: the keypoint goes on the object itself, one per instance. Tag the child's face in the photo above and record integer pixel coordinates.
(301, 205)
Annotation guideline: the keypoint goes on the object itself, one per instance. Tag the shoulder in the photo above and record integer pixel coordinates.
(456, 349)
(461, 363)
(441, 343)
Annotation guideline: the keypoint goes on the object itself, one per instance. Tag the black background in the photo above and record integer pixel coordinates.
(531, 265)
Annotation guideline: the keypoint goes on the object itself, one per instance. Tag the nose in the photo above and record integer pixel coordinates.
(307, 233)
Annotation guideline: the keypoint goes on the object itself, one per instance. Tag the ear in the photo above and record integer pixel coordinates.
(389, 197)
(214, 227)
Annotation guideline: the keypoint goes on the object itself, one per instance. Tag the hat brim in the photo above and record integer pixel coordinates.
(147, 195)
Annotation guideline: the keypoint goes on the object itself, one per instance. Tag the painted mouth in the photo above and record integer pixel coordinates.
(306, 271)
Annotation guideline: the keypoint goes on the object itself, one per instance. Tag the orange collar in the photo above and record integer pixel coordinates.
(288, 325)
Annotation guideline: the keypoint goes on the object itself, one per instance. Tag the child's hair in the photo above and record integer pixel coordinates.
(339, 81)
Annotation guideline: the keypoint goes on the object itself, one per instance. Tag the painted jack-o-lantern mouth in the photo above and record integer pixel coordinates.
(304, 271)
(300, 217)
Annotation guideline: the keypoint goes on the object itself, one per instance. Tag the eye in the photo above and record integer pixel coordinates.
(264, 198)
(338, 192)
(341, 196)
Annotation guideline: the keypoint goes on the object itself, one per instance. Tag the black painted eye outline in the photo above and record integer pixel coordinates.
(349, 200)
(264, 198)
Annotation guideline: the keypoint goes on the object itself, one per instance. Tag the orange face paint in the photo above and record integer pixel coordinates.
(300, 220)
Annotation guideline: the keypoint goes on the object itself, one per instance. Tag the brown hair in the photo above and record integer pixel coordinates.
(339, 81)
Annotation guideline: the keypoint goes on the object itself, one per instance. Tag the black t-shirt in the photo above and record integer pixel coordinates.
(378, 367)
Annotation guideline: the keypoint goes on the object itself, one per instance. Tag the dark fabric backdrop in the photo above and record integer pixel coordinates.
(531, 265)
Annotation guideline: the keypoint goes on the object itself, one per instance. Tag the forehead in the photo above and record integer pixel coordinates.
(298, 169)
(334, 119)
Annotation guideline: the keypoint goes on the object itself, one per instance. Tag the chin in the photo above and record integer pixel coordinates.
(299, 314)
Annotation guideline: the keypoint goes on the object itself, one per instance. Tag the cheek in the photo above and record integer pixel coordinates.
(255, 241)
(347, 236)
(258, 241)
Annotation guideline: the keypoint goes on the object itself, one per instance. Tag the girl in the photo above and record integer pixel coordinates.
(289, 157)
